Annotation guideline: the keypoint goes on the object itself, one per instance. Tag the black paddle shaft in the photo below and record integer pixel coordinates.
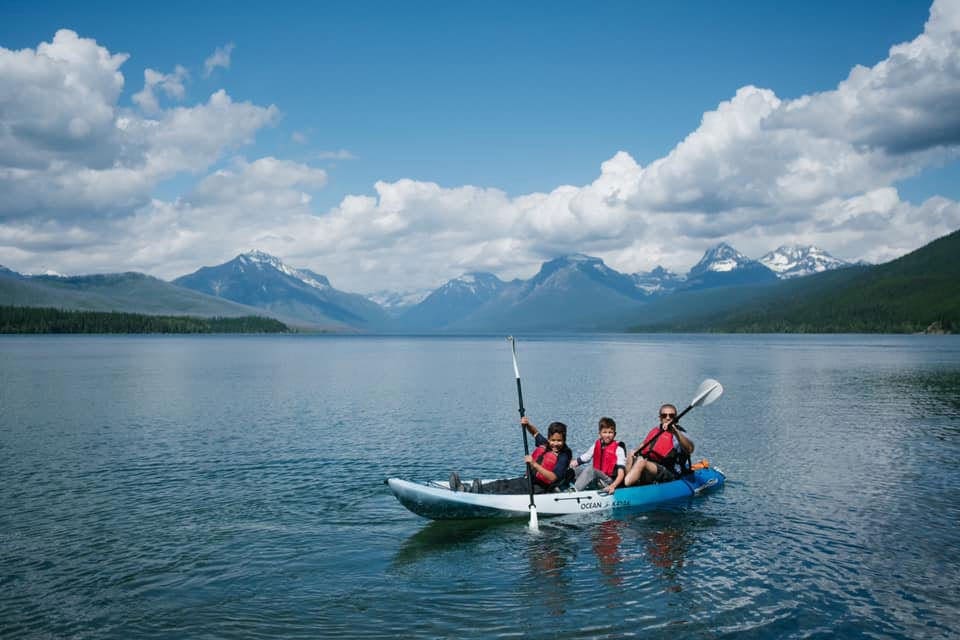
(526, 446)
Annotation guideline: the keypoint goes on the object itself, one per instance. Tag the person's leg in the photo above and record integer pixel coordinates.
(662, 474)
(603, 480)
(641, 472)
(634, 475)
(506, 486)
(585, 475)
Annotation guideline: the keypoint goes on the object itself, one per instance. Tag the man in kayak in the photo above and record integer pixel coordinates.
(609, 459)
(549, 461)
(662, 455)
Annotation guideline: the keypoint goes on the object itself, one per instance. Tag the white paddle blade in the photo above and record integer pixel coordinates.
(534, 524)
(513, 346)
(708, 391)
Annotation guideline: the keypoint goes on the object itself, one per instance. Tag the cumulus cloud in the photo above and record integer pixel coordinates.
(907, 103)
(171, 84)
(758, 171)
(262, 184)
(219, 58)
(67, 148)
(58, 103)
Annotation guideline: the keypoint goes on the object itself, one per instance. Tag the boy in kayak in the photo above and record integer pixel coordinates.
(609, 459)
(549, 461)
(661, 456)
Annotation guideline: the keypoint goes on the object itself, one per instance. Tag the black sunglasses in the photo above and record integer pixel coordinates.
(668, 415)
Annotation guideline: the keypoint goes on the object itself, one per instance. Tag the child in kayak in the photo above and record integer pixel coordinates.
(549, 461)
(609, 459)
(660, 458)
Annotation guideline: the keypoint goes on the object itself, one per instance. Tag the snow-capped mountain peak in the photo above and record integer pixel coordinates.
(657, 281)
(791, 261)
(474, 283)
(262, 260)
(721, 258)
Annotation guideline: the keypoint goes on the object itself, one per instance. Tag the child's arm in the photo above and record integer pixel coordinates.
(584, 458)
(617, 481)
(620, 471)
(525, 421)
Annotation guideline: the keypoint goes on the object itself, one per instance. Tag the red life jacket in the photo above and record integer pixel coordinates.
(658, 447)
(548, 460)
(605, 458)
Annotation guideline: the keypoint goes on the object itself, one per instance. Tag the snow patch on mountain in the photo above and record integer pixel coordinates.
(792, 261)
(475, 283)
(658, 281)
(395, 301)
(721, 259)
(262, 260)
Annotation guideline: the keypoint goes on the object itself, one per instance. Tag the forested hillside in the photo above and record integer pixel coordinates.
(916, 293)
(45, 320)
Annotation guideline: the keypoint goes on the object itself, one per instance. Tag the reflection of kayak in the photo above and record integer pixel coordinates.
(435, 500)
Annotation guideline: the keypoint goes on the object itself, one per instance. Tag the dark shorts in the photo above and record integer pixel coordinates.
(511, 486)
(663, 474)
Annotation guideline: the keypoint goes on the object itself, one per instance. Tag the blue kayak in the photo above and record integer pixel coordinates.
(435, 500)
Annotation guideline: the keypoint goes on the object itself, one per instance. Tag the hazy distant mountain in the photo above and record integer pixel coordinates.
(395, 303)
(456, 299)
(261, 280)
(791, 261)
(660, 281)
(569, 293)
(127, 292)
(9, 272)
(724, 266)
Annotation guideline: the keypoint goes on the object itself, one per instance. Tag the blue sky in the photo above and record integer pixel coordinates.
(428, 98)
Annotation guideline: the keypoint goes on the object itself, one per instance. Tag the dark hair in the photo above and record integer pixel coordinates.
(607, 422)
(557, 427)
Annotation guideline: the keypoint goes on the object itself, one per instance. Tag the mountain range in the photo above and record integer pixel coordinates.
(916, 293)
(260, 280)
(569, 293)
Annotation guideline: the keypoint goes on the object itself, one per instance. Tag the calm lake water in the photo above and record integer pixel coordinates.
(232, 487)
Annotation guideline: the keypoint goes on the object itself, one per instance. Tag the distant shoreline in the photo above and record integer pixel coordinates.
(52, 321)
(48, 320)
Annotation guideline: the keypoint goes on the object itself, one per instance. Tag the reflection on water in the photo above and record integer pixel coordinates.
(666, 548)
(444, 535)
(549, 574)
(606, 539)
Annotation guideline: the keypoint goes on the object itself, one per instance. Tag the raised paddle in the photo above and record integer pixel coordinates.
(708, 391)
(526, 446)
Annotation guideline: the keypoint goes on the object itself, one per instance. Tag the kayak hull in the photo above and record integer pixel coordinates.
(436, 501)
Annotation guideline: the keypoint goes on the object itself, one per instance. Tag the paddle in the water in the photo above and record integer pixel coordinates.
(534, 525)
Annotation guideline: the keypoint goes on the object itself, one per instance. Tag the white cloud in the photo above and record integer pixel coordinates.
(219, 58)
(264, 183)
(58, 103)
(67, 148)
(171, 84)
(907, 103)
